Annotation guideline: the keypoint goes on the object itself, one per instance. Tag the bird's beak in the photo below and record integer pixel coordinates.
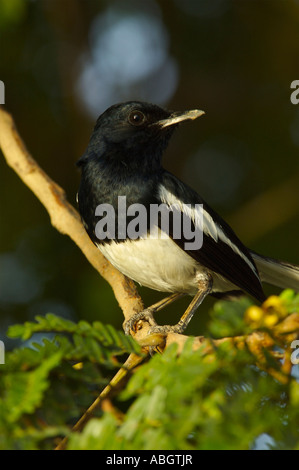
(177, 117)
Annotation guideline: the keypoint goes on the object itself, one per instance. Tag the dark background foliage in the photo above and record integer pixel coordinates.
(63, 62)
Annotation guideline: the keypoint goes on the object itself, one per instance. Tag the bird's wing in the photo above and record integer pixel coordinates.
(221, 250)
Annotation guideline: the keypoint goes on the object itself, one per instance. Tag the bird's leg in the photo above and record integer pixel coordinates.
(148, 313)
(166, 301)
(204, 289)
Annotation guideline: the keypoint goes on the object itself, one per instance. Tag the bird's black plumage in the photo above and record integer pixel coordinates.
(219, 256)
(124, 158)
(120, 161)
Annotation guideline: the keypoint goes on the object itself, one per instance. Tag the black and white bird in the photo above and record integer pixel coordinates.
(124, 158)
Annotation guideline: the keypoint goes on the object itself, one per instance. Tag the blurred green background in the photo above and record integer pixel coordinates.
(64, 62)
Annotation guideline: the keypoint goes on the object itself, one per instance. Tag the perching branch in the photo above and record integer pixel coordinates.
(284, 332)
(62, 214)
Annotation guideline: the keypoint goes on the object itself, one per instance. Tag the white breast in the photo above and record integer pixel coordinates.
(162, 265)
(156, 263)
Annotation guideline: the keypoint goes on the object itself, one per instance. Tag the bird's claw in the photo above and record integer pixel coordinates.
(132, 323)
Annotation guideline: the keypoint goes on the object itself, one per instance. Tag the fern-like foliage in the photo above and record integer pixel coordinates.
(222, 398)
(48, 384)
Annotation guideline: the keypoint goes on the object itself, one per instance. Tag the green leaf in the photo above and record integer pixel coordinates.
(178, 401)
(227, 318)
(113, 341)
(24, 390)
(97, 435)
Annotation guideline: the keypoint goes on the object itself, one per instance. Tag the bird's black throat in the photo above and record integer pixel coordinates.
(104, 180)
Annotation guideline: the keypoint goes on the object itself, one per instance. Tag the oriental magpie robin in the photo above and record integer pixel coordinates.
(123, 158)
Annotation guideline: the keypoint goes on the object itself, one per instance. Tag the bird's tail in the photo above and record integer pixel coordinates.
(276, 272)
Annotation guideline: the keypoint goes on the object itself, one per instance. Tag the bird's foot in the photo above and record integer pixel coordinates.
(156, 336)
(132, 324)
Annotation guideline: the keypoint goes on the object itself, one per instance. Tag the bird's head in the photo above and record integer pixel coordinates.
(132, 131)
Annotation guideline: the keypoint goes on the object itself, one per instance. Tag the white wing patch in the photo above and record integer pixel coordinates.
(210, 227)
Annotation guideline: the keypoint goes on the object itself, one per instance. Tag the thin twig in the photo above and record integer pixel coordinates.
(132, 361)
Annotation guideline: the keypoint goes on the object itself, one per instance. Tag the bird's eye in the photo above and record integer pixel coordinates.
(136, 118)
